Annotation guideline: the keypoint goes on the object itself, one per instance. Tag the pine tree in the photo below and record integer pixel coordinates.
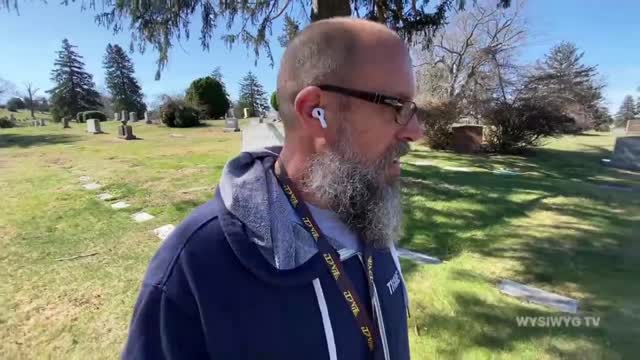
(216, 74)
(627, 109)
(75, 90)
(563, 80)
(252, 95)
(121, 82)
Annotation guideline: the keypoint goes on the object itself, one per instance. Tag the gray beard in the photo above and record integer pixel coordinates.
(357, 191)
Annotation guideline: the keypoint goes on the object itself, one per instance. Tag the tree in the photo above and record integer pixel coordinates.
(565, 82)
(274, 100)
(472, 58)
(6, 88)
(207, 94)
(74, 90)
(252, 95)
(159, 24)
(15, 104)
(217, 75)
(29, 99)
(123, 87)
(627, 109)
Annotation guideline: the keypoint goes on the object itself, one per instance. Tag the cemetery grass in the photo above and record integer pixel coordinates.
(80, 309)
(25, 114)
(550, 227)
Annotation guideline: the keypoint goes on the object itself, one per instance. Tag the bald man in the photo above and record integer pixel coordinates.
(294, 257)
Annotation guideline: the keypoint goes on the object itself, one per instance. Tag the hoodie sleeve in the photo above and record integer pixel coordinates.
(160, 329)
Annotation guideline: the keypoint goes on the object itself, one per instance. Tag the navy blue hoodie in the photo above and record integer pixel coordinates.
(240, 278)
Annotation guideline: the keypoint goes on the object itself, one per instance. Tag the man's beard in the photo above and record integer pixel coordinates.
(357, 190)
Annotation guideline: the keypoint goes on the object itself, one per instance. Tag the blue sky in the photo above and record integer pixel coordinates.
(608, 32)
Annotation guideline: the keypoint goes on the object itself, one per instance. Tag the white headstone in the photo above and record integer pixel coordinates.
(246, 113)
(120, 205)
(84, 178)
(142, 216)
(146, 118)
(105, 196)
(133, 117)
(93, 126)
(92, 186)
(164, 231)
(123, 115)
(116, 117)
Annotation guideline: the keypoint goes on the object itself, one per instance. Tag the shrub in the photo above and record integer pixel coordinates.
(437, 118)
(5, 123)
(93, 114)
(515, 127)
(274, 101)
(15, 104)
(208, 95)
(176, 113)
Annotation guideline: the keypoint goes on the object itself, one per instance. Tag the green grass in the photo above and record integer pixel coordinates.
(25, 114)
(551, 227)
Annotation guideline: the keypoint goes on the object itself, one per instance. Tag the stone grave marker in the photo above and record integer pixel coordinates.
(126, 132)
(92, 186)
(120, 205)
(146, 118)
(142, 216)
(123, 116)
(65, 123)
(133, 117)
(417, 257)
(93, 126)
(116, 116)
(626, 153)
(105, 196)
(633, 127)
(164, 231)
(538, 296)
(231, 125)
(246, 112)
(84, 178)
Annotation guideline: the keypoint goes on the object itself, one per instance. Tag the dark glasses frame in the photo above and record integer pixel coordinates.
(405, 109)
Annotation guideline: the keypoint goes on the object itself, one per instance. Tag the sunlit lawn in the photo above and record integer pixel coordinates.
(551, 227)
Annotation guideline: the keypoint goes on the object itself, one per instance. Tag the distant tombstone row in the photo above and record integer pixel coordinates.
(38, 122)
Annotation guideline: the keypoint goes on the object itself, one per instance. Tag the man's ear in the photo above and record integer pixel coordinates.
(306, 101)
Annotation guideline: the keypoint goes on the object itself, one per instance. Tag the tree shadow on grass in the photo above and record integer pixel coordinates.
(25, 141)
(493, 326)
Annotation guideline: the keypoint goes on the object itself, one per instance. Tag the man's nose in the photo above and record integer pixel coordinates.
(412, 131)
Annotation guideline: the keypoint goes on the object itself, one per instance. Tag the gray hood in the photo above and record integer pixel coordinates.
(251, 192)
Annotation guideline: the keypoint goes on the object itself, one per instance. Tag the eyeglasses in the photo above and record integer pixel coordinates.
(405, 109)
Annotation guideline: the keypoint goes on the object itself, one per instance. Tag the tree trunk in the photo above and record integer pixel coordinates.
(324, 9)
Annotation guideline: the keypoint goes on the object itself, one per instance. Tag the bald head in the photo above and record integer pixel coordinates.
(334, 51)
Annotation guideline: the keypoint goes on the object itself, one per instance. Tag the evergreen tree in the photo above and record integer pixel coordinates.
(123, 87)
(207, 94)
(564, 81)
(627, 109)
(252, 95)
(216, 74)
(74, 90)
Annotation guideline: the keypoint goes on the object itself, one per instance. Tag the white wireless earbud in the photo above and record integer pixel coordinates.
(318, 113)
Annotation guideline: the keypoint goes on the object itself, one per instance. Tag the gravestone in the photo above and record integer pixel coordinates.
(146, 118)
(133, 117)
(41, 122)
(633, 127)
(164, 231)
(123, 116)
(93, 126)
(231, 124)
(126, 132)
(116, 117)
(467, 138)
(65, 123)
(246, 113)
(626, 153)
